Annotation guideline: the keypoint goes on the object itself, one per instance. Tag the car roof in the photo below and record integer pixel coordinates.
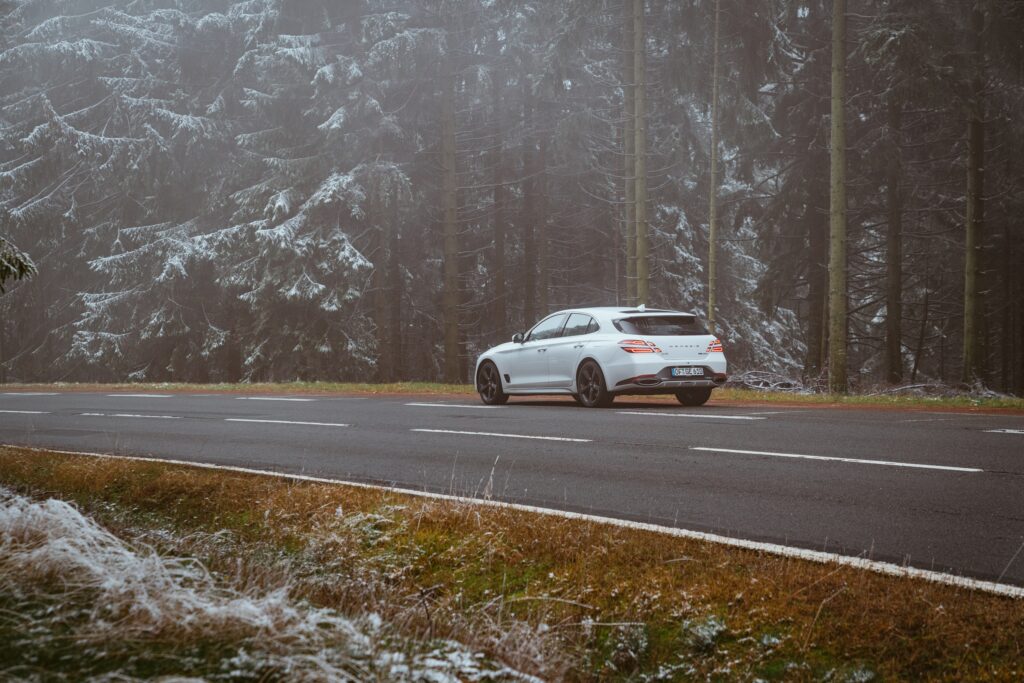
(613, 312)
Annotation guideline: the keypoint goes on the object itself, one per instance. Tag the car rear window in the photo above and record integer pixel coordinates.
(661, 325)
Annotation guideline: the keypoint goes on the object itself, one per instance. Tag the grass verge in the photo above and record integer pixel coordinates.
(558, 598)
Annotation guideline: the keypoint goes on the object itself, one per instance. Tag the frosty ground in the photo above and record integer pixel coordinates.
(165, 569)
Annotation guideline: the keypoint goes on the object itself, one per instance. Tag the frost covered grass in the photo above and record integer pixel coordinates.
(78, 600)
(556, 598)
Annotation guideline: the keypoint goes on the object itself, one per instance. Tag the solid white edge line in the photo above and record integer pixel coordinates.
(507, 436)
(712, 417)
(273, 398)
(819, 556)
(286, 422)
(140, 395)
(24, 412)
(1004, 431)
(859, 461)
(450, 405)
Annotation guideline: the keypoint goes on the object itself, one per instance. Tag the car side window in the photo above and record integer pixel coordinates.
(592, 327)
(547, 328)
(579, 323)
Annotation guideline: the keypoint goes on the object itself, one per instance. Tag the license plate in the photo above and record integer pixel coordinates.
(687, 372)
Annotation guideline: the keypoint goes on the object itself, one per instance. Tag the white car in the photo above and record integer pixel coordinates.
(595, 354)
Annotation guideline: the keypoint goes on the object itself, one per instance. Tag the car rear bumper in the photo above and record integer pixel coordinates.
(654, 375)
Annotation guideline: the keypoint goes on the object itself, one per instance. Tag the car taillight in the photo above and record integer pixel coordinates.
(715, 347)
(638, 346)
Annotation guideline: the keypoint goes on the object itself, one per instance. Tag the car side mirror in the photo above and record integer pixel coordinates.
(517, 338)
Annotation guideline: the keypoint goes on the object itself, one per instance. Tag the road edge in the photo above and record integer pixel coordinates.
(818, 556)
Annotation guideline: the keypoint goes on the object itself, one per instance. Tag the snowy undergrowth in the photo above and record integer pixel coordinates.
(77, 600)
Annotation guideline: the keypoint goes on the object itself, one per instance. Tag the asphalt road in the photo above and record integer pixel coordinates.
(936, 490)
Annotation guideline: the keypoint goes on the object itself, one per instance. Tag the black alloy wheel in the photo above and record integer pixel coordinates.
(488, 383)
(693, 397)
(590, 389)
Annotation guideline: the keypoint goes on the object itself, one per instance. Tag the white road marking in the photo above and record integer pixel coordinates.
(140, 395)
(450, 405)
(145, 417)
(777, 412)
(30, 393)
(702, 415)
(25, 412)
(859, 461)
(507, 436)
(1005, 431)
(272, 398)
(886, 568)
(929, 419)
(287, 422)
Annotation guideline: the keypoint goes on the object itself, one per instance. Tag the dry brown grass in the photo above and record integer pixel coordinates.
(558, 597)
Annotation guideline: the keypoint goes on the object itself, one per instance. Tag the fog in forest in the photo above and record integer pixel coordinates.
(274, 190)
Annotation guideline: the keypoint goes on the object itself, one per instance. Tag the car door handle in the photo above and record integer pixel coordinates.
(577, 346)
(541, 350)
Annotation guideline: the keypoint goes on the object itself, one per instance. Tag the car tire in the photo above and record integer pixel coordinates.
(591, 391)
(693, 397)
(488, 384)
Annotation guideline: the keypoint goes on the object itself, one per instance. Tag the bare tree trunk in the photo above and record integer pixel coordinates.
(451, 234)
(529, 269)
(713, 190)
(894, 255)
(378, 253)
(972, 361)
(500, 295)
(837, 381)
(628, 147)
(395, 370)
(817, 269)
(640, 79)
(543, 241)
(921, 333)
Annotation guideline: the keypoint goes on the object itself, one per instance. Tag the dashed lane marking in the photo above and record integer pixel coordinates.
(700, 415)
(502, 435)
(133, 415)
(1005, 431)
(273, 398)
(859, 461)
(140, 395)
(24, 412)
(287, 422)
(450, 405)
(30, 393)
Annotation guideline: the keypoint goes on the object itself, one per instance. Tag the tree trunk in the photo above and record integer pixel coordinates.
(628, 147)
(543, 241)
(379, 239)
(498, 266)
(837, 382)
(451, 234)
(639, 78)
(529, 268)
(894, 255)
(395, 365)
(817, 269)
(713, 190)
(972, 361)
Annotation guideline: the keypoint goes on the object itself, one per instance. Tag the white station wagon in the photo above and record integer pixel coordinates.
(596, 354)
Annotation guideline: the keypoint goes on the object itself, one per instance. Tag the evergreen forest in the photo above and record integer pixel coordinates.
(379, 190)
